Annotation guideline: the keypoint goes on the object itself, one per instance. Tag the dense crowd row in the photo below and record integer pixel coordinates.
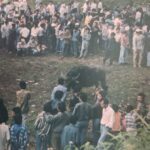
(64, 124)
(75, 28)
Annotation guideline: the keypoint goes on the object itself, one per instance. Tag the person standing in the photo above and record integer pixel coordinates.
(4, 134)
(60, 87)
(124, 45)
(138, 48)
(23, 97)
(107, 122)
(59, 125)
(86, 36)
(82, 112)
(18, 134)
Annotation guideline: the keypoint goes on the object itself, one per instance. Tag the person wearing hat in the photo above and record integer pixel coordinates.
(138, 48)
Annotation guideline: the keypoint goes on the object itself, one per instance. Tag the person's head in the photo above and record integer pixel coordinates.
(61, 107)
(18, 119)
(140, 97)
(115, 108)
(99, 95)
(73, 120)
(104, 103)
(129, 108)
(61, 81)
(83, 97)
(58, 95)
(22, 84)
(16, 111)
(138, 31)
(47, 107)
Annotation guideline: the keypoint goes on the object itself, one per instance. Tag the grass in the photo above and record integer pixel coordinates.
(41, 74)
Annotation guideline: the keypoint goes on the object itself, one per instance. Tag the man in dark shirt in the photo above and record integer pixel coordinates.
(82, 112)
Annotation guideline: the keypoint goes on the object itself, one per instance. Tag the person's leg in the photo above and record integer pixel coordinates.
(121, 56)
(141, 53)
(82, 130)
(82, 49)
(45, 143)
(56, 141)
(38, 142)
(126, 55)
(96, 132)
(104, 133)
(75, 49)
(86, 49)
(135, 58)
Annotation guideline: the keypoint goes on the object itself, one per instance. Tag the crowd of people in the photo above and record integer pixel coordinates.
(63, 124)
(76, 29)
(73, 29)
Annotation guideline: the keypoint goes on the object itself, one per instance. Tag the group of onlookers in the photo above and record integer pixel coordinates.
(76, 29)
(65, 123)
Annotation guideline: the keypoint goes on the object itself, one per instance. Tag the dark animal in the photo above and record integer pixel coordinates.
(84, 76)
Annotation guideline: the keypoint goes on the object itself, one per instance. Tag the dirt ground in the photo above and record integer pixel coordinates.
(41, 74)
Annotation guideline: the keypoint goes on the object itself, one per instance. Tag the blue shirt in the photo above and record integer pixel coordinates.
(19, 137)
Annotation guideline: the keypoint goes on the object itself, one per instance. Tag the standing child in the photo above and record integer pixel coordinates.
(23, 97)
(18, 134)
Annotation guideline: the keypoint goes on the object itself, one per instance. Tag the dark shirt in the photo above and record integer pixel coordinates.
(82, 111)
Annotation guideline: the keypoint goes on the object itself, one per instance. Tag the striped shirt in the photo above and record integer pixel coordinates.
(130, 120)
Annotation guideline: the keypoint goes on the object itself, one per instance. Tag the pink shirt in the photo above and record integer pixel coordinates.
(108, 117)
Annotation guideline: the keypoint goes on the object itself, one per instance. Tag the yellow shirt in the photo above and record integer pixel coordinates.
(21, 94)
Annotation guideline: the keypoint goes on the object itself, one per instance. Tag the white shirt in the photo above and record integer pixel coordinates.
(59, 88)
(100, 5)
(34, 31)
(93, 5)
(85, 8)
(4, 136)
(5, 30)
(24, 32)
(51, 9)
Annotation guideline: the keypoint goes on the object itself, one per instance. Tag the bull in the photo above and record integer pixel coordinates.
(84, 76)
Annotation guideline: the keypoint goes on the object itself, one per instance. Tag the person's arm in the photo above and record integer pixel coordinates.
(8, 139)
(53, 93)
(52, 118)
(64, 95)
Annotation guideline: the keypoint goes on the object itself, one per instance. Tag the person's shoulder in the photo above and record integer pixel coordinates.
(23, 128)
(5, 126)
(18, 92)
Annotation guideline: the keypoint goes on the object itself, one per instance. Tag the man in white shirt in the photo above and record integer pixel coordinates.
(24, 32)
(60, 87)
(5, 33)
(4, 135)
(106, 122)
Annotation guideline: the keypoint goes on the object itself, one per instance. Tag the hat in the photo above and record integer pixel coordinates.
(138, 30)
(53, 25)
(77, 24)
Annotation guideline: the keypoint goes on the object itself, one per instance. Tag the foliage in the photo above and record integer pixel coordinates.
(127, 141)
